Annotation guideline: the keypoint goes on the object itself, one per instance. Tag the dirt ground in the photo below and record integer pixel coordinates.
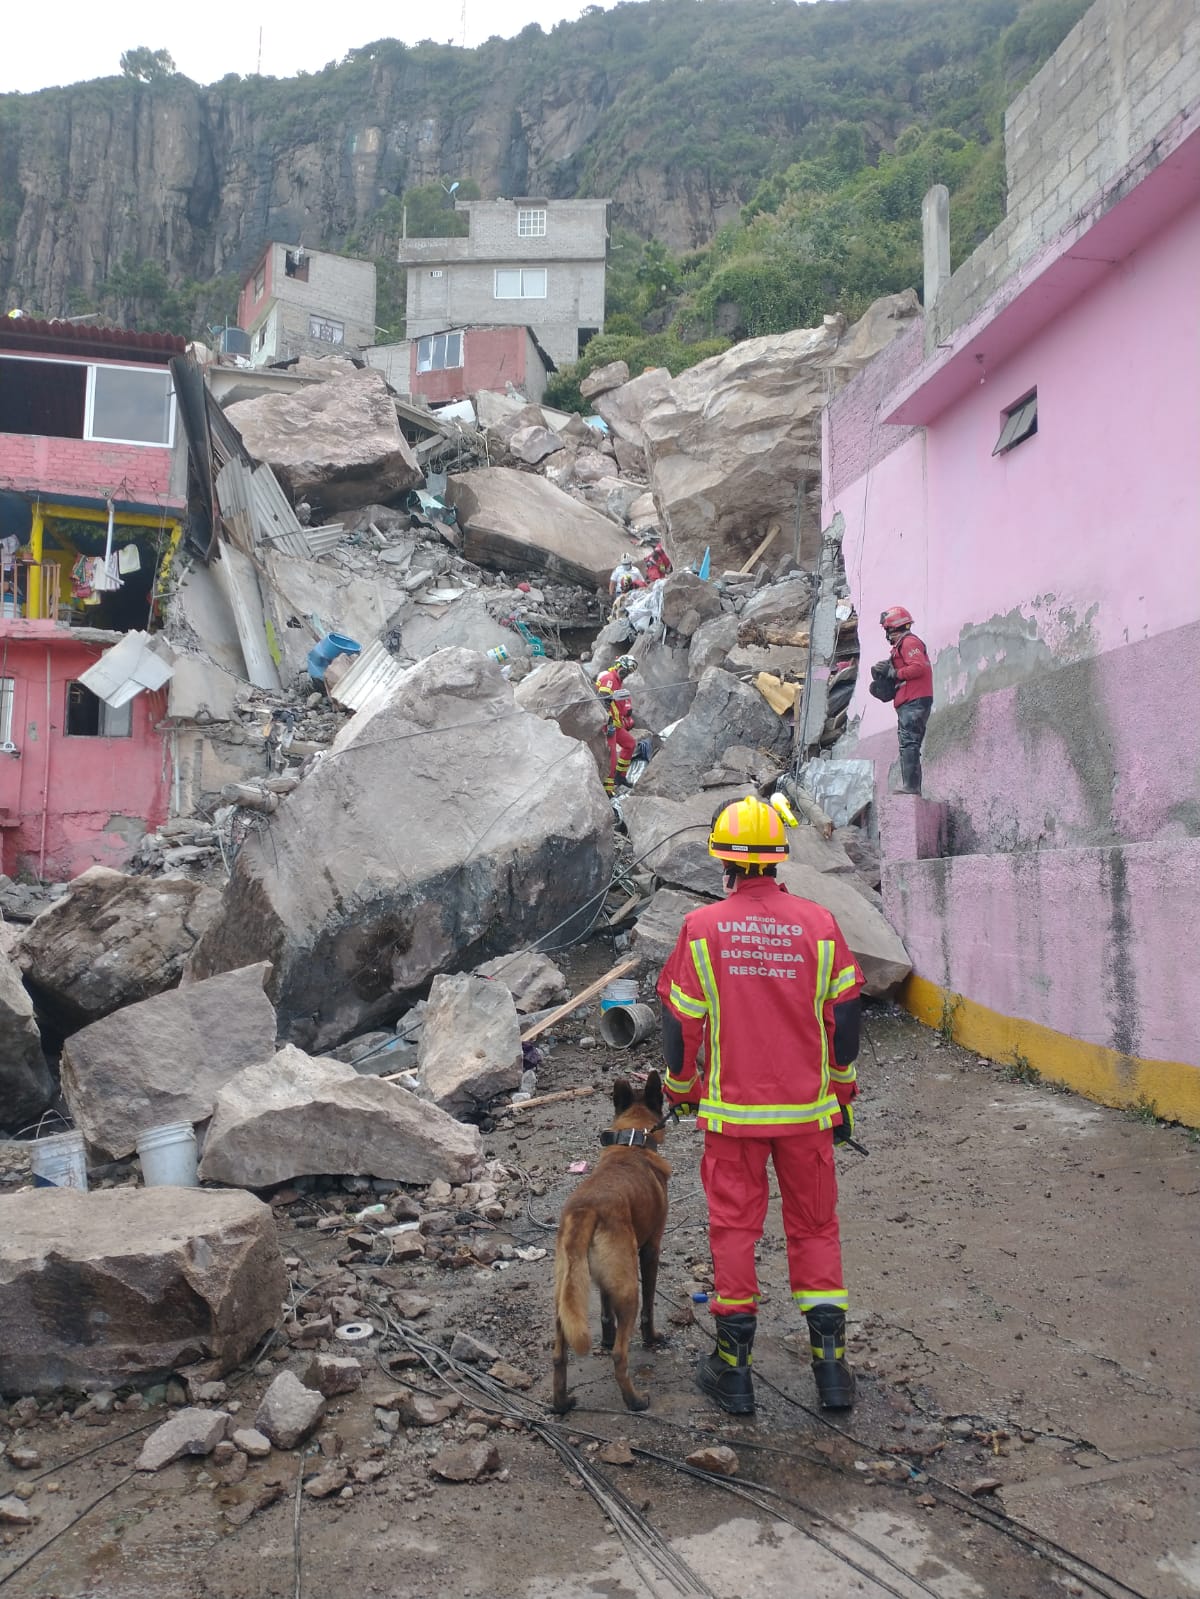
(1023, 1280)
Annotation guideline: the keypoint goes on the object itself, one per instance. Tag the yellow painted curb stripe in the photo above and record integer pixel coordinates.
(1125, 1081)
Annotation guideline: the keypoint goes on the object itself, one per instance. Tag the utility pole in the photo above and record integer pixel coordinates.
(258, 69)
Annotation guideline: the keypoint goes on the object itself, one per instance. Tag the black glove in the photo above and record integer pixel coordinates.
(844, 1133)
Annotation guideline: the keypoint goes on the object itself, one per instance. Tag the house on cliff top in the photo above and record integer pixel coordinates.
(1023, 473)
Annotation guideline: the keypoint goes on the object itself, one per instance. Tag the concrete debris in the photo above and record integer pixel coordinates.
(617, 1453)
(337, 444)
(330, 1481)
(112, 941)
(473, 1350)
(720, 1459)
(14, 1512)
(421, 1410)
(533, 980)
(127, 1285)
(562, 692)
(405, 895)
(876, 946)
(165, 1059)
(782, 606)
(470, 1048)
(725, 711)
(657, 927)
(534, 444)
(466, 1462)
(732, 442)
(333, 1374)
(26, 1082)
(187, 1432)
(289, 1411)
(687, 602)
(293, 1115)
(514, 520)
(604, 378)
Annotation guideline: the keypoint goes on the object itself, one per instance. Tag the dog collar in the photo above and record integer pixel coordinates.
(635, 1137)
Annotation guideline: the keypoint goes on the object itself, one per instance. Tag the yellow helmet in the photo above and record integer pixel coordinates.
(749, 833)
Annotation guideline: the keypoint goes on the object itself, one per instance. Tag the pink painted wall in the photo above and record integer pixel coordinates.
(98, 795)
(35, 464)
(250, 304)
(492, 357)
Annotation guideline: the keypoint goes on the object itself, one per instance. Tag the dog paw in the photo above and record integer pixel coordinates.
(560, 1407)
(636, 1402)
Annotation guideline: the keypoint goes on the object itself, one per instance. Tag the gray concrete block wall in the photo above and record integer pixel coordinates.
(337, 286)
(1125, 71)
(466, 297)
(576, 230)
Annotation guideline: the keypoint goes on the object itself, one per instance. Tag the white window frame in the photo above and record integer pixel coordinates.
(427, 358)
(89, 428)
(531, 222)
(8, 699)
(527, 292)
(315, 321)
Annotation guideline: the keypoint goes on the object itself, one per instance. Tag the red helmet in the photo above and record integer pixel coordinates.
(895, 616)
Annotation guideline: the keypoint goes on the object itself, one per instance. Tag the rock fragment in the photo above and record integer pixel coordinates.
(289, 1411)
(466, 1462)
(720, 1459)
(187, 1432)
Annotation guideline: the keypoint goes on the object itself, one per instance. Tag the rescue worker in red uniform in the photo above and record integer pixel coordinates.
(910, 667)
(658, 563)
(765, 981)
(621, 743)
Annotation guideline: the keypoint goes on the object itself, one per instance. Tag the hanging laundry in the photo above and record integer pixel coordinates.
(82, 574)
(105, 577)
(129, 559)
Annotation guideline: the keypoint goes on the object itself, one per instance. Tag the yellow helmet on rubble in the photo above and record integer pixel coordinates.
(748, 833)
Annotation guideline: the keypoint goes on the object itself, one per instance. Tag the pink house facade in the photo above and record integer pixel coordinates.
(1049, 884)
(450, 366)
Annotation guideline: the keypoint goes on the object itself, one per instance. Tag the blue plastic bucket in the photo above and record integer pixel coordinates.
(621, 991)
(329, 648)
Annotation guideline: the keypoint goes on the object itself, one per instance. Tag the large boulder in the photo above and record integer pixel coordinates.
(711, 644)
(670, 838)
(111, 941)
(165, 1059)
(414, 848)
(126, 1285)
(562, 692)
(26, 1084)
(662, 689)
(337, 443)
(876, 946)
(687, 601)
(625, 407)
(520, 522)
(533, 980)
(657, 927)
(604, 378)
(299, 1116)
(725, 711)
(470, 1047)
(734, 441)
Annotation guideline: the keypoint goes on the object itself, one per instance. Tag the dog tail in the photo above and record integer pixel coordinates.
(572, 1278)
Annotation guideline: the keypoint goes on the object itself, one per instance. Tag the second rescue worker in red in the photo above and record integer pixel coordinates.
(766, 981)
(610, 685)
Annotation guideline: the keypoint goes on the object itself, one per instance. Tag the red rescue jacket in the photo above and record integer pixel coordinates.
(911, 661)
(755, 978)
(620, 711)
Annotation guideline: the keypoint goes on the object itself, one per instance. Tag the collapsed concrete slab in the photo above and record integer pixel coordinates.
(298, 590)
(519, 522)
(127, 1285)
(733, 441)
(533, 980)
(295, 1115)
(165, 1059)
(337, 443)
(470, 1047)
(113, 940)
(725, 711)
(26, 1083)
(562, 692)
(411, 849)
(876, 946)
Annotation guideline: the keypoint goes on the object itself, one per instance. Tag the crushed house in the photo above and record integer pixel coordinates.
(297, 302)
(528, 262)
(93, 494)
(1023, 475)
(442, 368)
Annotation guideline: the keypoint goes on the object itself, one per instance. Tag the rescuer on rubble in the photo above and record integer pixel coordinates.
(765, 981)
(615, 696)
(908, 668)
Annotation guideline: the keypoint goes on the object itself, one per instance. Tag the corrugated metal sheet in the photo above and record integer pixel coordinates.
(129, 667)
(321, 540)
(256, 510)
(370, 680)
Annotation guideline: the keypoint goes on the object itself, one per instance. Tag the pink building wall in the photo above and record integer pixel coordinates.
(67, 803)
(1058, 589)
(33, 463)
(249, 304)
(492, 358)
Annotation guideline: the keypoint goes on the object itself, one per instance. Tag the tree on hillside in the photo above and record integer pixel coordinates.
(144, 65)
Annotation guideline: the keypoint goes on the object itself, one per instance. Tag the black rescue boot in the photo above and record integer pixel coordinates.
(827, 1336)
(725, 1374)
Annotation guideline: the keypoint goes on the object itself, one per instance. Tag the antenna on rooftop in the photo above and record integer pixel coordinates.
(464, 24)
(258, 69)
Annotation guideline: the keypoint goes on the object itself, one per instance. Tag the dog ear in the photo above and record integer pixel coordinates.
(622, 1096)
(652, 1094)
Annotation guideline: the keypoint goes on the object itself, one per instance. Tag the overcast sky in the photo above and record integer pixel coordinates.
(78, 40)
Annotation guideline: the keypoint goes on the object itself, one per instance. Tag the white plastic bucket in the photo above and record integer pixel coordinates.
(621, 991)
(168, 1155)
(60, 1161)
(625, 1025)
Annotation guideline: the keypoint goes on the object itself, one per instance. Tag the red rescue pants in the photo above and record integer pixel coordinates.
(621, 747)
(734, 1174)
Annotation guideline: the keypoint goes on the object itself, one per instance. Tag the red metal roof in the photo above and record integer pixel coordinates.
(78, 338)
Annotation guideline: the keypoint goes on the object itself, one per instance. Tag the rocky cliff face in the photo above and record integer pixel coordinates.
(197, 179)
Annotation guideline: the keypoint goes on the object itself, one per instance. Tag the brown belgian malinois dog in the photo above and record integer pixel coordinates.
(611, 1224)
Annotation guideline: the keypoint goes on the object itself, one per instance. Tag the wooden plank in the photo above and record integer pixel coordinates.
(772, 535)
(581, 998)
(546, 1099)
